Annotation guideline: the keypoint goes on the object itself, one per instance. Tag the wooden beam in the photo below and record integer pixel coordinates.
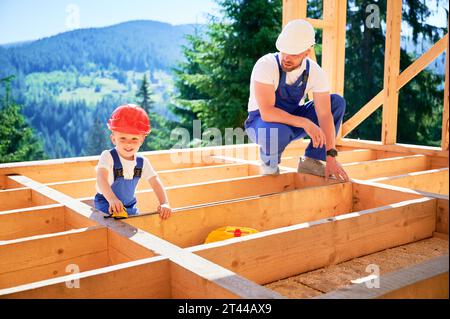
(31, 221)
(333, 43)
(219, 277)
(367, 195)
(442, 216)
(294, 9)
(22, 198)
(433, 181)
(48, 171)
(426, 280)
(284, 252)
(210, 192)
(391, 72)
(188, 227)
(445, 112)
(145, 278)
(362, 114)
(35, 258)
(422, 62)
(401, 148)
(386, 167)
(403, 78)
(358, 155)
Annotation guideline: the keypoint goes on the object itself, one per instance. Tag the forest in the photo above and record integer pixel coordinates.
(57, 93)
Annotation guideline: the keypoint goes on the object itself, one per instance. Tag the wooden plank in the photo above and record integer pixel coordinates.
(386, 167)
(294, 9)
(422, 62)
(427, 280)
(398, 147)
(22, 199)
(53, 270)
(433, 181)
(357, 155)
(86, 187)
(442, 216)
(128, 248)
(31, 221)
(187, 285)
(333, 43)
(188, 227)
(203, 193)
(362, 114)
(146, 278)
(367, 196)
(73, 220)
(222, 277)
(445, 112)
(391, 72)
(284, 252)
(45, 249)
(440, 235)
(202, 174)
(403, 78)
(48, 171)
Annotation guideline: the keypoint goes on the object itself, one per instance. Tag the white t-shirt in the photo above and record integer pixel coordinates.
(106, 161)
(266, 71)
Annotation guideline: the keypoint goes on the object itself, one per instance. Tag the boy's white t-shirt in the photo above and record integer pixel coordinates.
(266, 71)
(106, 161)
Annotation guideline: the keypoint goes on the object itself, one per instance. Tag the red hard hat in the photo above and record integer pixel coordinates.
(130, 119)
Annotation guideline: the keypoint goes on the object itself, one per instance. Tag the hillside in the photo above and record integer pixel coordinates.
(133, 45)
(69, 81)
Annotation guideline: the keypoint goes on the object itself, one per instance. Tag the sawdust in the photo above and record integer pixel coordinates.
(333, 277)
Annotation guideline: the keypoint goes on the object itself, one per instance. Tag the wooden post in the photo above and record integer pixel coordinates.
(391, 71)
(445, 138)
(294, 9)
(333, 45)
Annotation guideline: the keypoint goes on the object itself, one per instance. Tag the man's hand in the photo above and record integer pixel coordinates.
(315, 133)
(335, 168)
(115, 205)
(164, 211)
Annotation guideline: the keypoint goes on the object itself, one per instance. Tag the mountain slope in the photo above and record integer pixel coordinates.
(134, 45)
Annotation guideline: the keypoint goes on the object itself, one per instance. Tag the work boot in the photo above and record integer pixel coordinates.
(269, 170)
(312, 166)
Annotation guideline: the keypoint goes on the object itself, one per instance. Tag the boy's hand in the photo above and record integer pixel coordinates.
(164, 211)
(115, 205)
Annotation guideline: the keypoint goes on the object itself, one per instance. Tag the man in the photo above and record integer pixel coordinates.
(278, 114)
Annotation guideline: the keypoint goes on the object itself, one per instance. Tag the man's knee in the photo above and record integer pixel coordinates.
(338, 105)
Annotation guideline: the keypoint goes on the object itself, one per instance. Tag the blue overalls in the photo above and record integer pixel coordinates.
(273, 137)
(123, 188)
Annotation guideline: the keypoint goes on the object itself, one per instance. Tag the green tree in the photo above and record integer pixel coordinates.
(17, 142)
(144, 95)
(214, 80)
(97, 140)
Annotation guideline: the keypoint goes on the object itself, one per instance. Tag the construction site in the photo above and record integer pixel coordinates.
(383, 234)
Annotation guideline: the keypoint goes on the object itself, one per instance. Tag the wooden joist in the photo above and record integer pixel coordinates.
(275, 254)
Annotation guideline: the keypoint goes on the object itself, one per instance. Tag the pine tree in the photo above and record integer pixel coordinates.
(144, 95)
(214, 80)
(97, 140)
(17, 142)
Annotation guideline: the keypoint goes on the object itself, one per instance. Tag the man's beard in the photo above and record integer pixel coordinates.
(289, 68)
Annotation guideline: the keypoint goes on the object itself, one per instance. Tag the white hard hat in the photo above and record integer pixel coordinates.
(297, 36)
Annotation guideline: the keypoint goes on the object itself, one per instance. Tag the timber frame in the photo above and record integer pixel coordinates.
(54, 244)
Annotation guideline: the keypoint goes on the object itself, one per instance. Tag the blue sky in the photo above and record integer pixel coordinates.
(22, 20)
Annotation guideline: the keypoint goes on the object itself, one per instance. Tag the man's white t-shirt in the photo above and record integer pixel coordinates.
(106, 161)
(266, 71)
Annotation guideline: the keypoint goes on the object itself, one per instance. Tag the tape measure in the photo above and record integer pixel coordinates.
(227, 232)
